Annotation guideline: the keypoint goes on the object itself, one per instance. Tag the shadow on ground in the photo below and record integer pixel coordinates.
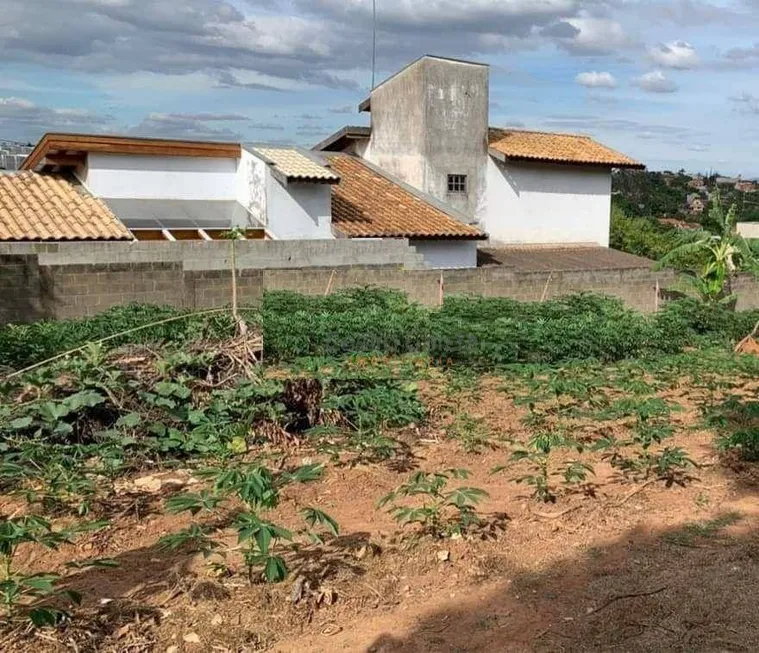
(689, 589)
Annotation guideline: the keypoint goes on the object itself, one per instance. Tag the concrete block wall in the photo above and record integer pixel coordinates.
(215, 255)
(213, 288)
(747, 290)
(22, 288)
(58, 281)
(637, 288)
(82, 290)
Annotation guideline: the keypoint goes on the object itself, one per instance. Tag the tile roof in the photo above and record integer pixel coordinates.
(556, 148)
(34, 206)
(567, 258)
(368, 204)
(296, 165)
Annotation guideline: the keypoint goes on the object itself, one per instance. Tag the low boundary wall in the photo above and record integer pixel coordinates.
(40, 281)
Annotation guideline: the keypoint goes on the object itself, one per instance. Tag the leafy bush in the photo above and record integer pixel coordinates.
(489, 332)
(641, 236)
(354, 321)
(475, 331)
(20, 591)
(259, 490)
(737, 424)
(375, 404)
(26, 344)
(685, 321)
(537, 454)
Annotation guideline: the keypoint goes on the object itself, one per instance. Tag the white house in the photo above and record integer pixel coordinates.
(185, 190)
(430, 128)
(429, 170)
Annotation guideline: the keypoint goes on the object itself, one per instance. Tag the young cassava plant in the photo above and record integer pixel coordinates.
(443, 511)
(537, 454)
(22, 593)
(259, 489)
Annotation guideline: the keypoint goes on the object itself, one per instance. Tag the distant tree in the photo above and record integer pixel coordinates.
(642, 193)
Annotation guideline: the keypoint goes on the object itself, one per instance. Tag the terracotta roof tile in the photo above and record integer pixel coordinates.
(51, 207)
(367, 204)
(296, 165)
(556, 148)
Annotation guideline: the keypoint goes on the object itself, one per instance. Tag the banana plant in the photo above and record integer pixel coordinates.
(721, 253)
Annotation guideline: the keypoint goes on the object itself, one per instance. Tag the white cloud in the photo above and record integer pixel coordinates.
(655, 82)
(590, 36)
(595, 79)
(680, 55)
(8, 104)
(27, 121)
(185, 126)
(746, 103)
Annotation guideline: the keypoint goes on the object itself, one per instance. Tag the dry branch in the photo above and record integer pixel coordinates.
(632, 595)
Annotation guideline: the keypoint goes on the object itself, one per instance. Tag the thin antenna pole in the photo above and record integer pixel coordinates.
(374, 41)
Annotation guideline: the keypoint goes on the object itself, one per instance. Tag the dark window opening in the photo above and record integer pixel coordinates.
(457, 183)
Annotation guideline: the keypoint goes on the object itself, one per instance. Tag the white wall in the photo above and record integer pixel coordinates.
(251, 185)
(749, 229)
(447, 253)
(298, 211)
(543, 203)
(154, 177)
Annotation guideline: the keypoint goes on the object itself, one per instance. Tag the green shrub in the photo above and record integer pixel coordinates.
(477, 331)
(686, 321)
(25, 344)
(737, 424)
(374, 404)
(497, 332)
(349, 322)
(641, 236)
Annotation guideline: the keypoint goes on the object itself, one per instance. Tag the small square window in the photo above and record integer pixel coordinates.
(457, 183)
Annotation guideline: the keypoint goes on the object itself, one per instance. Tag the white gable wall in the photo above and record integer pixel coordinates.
(298, 210)
(124, 176)
(546, 204)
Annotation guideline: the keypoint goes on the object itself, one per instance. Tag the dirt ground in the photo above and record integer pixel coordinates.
(613, 566)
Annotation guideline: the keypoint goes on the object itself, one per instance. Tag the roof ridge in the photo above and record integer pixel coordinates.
(543, 131)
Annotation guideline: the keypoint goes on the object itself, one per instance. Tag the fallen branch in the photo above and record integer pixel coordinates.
(544, 515)
(633, 595)
(635, 491)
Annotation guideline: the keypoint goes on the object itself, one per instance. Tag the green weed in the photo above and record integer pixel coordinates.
(537, 454)
(443, 511)
(259, 489)
(471, 432)
(17, 589)
(709, 528)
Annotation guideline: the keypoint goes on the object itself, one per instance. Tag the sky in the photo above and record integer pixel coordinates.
(673, 83)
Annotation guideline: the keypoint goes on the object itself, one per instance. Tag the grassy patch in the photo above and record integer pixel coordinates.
(710, 528)
(472, 433)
